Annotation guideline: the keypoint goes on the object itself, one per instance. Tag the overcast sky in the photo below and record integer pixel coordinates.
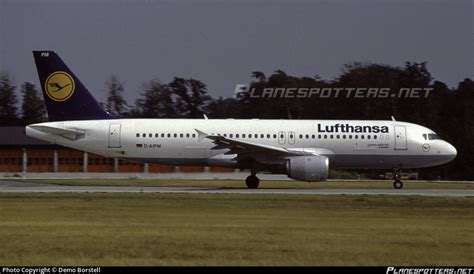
(222, 42)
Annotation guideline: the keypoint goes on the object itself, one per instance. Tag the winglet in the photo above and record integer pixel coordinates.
(201, 135)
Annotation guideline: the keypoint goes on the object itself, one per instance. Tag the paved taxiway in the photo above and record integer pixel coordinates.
(25, 187)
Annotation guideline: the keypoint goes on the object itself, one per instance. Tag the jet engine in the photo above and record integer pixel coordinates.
(308, 168)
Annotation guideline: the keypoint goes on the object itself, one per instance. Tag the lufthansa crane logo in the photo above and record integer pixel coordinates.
(59, 86)
(425, 147)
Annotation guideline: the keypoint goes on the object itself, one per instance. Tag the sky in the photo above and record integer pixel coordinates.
(222, 42)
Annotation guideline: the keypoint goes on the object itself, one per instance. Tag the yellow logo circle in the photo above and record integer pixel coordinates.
(59, 86)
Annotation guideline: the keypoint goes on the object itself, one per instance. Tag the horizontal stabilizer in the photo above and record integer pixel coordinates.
(69, 133)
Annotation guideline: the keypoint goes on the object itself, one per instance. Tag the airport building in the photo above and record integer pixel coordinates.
(20, 153)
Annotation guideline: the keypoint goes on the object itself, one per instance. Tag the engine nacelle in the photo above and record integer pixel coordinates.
(308, 168)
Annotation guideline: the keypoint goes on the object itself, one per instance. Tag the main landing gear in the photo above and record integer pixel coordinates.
(398, 184)
(252, 181)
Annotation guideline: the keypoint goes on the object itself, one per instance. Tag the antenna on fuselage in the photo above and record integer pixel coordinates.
(205, 116)
(393, 118)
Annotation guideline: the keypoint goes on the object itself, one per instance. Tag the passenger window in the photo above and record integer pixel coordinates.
(350, 136)
(169, 135)
(307, 136)
(325, 136)
(274, 136)
(181, 135)
(356, 136)
(231, 135)
(194, 135)
(375, 136)
(144, 135)
(337, 136)
(243, 135)
(255, 135)
(268, 136)
(162, 135)
(138, 135)
(175, 135)
(187, 135)
(156, 135)
(319, 136)
(362, 137)
(331, 136)
(301, 136)
(343, 136)
(262, 136)
(236, 135)
(150, 135)
(368, 136)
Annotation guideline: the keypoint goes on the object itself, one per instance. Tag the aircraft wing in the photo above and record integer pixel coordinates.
(245, 149)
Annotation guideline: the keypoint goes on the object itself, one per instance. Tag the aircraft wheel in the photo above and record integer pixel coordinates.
(398, 184)
(252, 181)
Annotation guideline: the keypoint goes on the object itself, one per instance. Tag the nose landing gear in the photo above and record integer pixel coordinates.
(398, 184)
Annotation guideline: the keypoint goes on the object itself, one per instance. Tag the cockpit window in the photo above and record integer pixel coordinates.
(433, 136)
(425, 136)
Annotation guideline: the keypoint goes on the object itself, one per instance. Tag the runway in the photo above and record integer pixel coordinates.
(25, 187)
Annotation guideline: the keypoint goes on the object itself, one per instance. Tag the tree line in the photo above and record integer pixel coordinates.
(448, 111)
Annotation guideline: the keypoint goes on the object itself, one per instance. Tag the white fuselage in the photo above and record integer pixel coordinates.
(347, 144)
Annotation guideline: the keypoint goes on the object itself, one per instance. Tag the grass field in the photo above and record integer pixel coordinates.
(263, 183)
(228, 229)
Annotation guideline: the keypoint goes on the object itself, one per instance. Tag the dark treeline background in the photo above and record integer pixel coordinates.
(448, 111)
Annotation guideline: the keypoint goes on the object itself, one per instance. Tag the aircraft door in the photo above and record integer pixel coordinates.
(400, 138)
(291, 137)
(281, 137)
(114, 135)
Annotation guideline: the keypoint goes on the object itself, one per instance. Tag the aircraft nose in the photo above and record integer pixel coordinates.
(451, 151)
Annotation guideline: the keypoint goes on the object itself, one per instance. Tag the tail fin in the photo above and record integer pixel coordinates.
(65, 96)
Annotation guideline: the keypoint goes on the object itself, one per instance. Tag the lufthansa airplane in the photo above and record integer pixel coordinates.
(302, 149)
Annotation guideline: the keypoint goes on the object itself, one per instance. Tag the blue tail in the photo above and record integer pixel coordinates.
(65, 96)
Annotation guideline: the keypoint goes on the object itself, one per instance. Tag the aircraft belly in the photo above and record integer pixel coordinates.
(382, 161)
(170, 161)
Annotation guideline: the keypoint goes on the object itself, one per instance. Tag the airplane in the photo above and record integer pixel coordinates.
(301, 149)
